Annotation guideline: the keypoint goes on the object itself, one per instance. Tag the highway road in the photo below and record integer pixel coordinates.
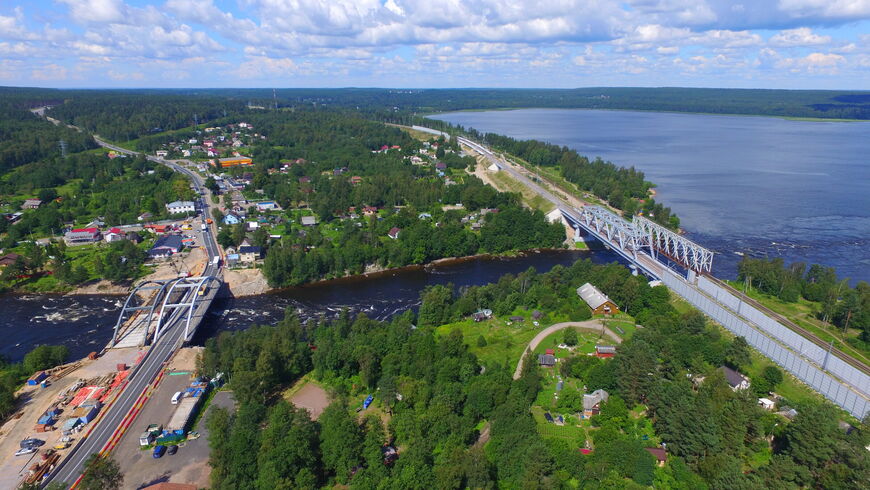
(70, 469)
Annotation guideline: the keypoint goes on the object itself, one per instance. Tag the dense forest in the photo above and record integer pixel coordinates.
(432, 396)
(850, 104)
(121, 116)
(27, 138)
(840, 304)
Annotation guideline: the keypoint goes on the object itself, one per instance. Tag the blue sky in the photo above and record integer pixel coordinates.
(821, 44)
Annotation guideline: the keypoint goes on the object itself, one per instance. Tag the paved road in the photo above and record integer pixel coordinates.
(71, 468)
(594, 325)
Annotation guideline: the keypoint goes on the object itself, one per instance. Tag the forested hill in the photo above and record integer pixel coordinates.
(27, 138)
(209, 103)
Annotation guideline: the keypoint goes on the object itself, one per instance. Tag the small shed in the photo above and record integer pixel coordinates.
(548, 417)
(659, 454)
(598, 302)
(37, 378)
(766, 403)
(517, 318)
(605, 351)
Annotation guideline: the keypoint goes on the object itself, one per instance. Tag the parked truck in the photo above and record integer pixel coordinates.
(150, 435)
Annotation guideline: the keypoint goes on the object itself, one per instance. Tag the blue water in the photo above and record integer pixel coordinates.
(765, 187)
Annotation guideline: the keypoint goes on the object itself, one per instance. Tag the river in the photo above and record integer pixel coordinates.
(760, 186)
(84, 323)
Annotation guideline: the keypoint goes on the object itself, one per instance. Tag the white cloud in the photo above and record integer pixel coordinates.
(50, 72)
(826, 63)
(802, 36)
(96, 11)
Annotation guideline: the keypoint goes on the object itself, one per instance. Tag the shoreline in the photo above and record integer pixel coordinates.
(787, 118)
(381, 272)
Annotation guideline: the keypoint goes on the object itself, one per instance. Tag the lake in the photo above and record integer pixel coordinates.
(760, 186)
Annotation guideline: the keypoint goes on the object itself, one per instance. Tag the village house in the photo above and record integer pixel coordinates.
(9, 259)
(598, 302)
(114, 235)
(145, 216)
(546, 360)
(266, 206)
(482, 315)
(735, 380)
(249, 254)
(304, 180)
(178, 207)
(231, 219)
(161, 153)
(82, 236)
(31, 204)
(356, 179)
(370, 210)
(394, 233)
(166, 246)
(592, 402)
(309, 220)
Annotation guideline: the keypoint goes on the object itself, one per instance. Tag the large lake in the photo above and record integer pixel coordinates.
(762, 186)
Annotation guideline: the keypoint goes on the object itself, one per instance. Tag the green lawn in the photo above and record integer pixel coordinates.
(504, 343)
(573, 435)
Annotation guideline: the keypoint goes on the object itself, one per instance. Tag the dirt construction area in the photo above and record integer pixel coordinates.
(312, 398)
(35, 400)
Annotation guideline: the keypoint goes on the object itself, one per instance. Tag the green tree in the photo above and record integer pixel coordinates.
(737, 354)
(340, 441)
(101, 473)
(570, 337)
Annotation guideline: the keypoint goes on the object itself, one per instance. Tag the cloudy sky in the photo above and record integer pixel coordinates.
(435, 43)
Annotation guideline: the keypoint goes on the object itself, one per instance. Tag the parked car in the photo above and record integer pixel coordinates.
(159, 451)
(172, 449)
(31, 442)
(25, 450)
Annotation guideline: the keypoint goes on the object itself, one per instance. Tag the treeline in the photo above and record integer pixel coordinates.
(840, 304)
(13, 375)
(27, 138)
(431, 393)
(130, 114)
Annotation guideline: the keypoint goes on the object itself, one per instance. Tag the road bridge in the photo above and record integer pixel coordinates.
(686, 269)
(171, 316)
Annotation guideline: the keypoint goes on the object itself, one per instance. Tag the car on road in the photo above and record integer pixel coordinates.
(159, 451)
(25, 450)
(172, 449)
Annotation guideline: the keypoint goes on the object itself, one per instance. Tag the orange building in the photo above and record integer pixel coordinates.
(231, 162)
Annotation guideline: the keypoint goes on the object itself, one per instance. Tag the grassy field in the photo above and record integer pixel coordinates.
(791, 388)
(530, 197)
(417, 135)
(803, 313)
